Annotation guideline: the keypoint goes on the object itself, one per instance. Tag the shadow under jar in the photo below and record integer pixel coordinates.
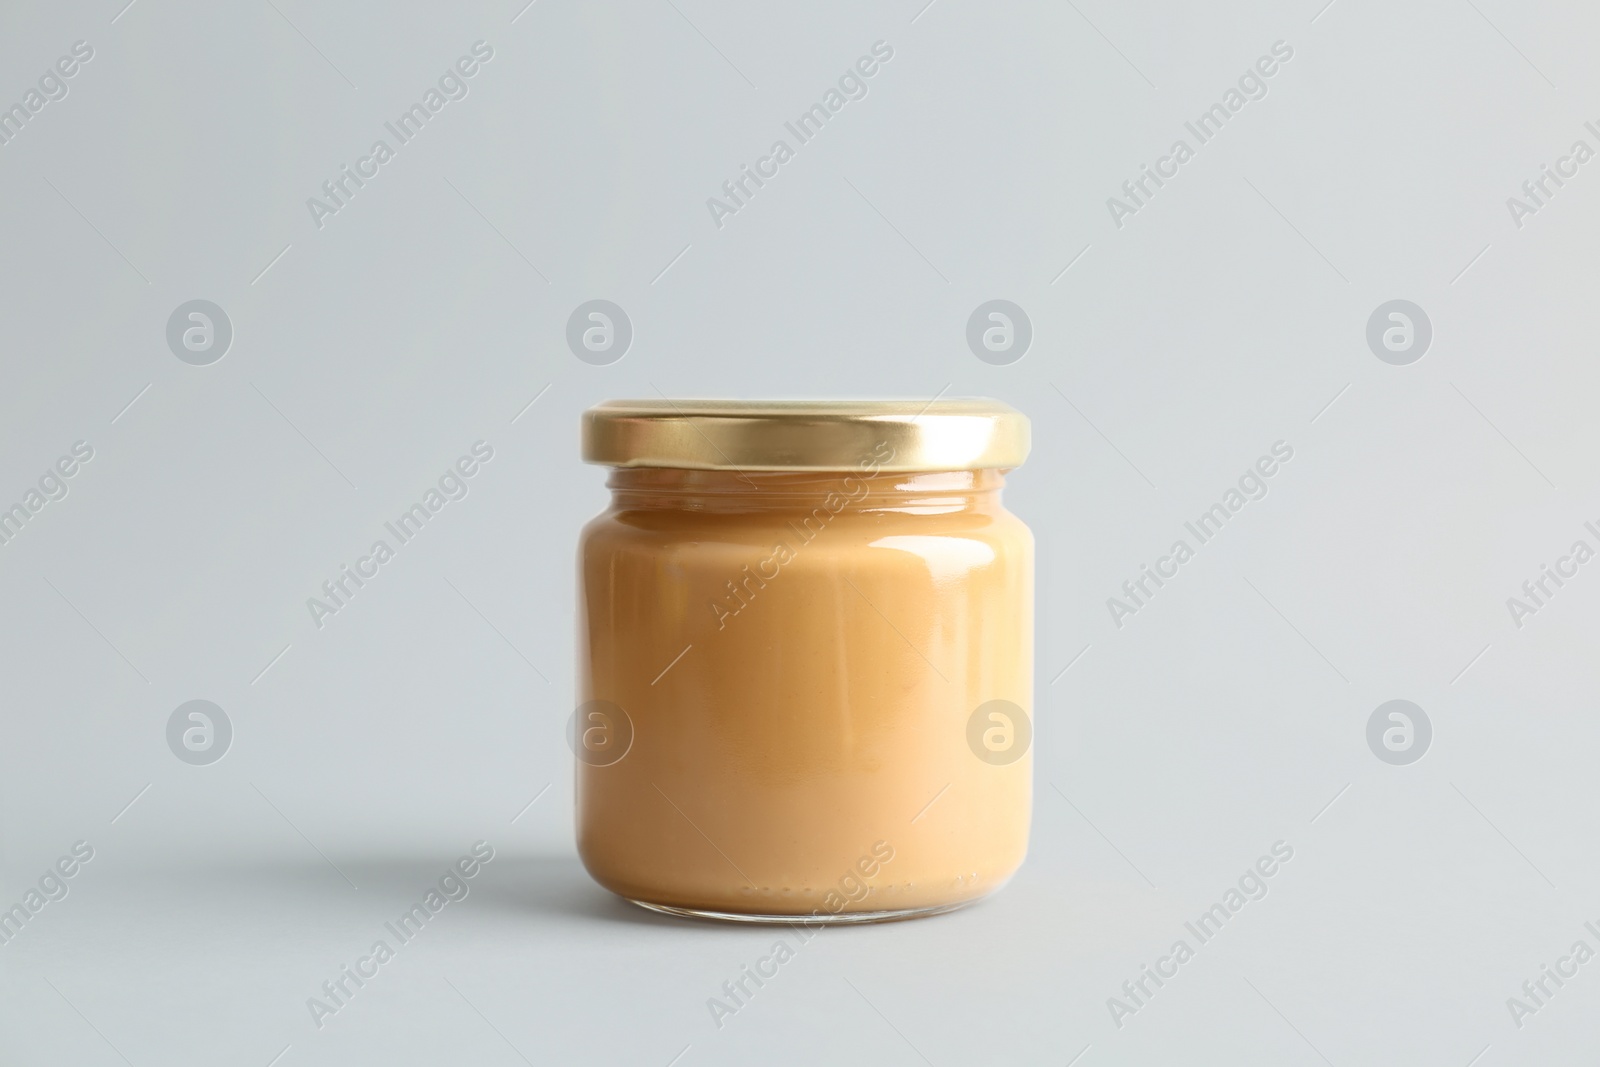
(805, 650)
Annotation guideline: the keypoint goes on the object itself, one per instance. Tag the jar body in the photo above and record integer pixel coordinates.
(806, 666)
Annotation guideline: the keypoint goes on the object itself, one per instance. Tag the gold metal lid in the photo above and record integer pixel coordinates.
(806, 435)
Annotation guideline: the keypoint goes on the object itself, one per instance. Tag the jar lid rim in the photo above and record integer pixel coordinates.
(973, 433)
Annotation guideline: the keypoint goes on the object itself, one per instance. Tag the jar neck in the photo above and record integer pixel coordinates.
(732, 492)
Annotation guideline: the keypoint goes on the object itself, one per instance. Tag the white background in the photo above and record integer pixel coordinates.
(1228, 314)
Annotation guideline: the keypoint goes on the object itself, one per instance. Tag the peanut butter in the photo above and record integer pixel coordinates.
(822, 679)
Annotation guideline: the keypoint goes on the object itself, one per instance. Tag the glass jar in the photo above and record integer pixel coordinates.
(805, 651)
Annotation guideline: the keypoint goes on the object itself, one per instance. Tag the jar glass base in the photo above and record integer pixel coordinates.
(840, 919)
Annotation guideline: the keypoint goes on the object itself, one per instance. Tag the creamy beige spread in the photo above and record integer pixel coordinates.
(800, 656)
